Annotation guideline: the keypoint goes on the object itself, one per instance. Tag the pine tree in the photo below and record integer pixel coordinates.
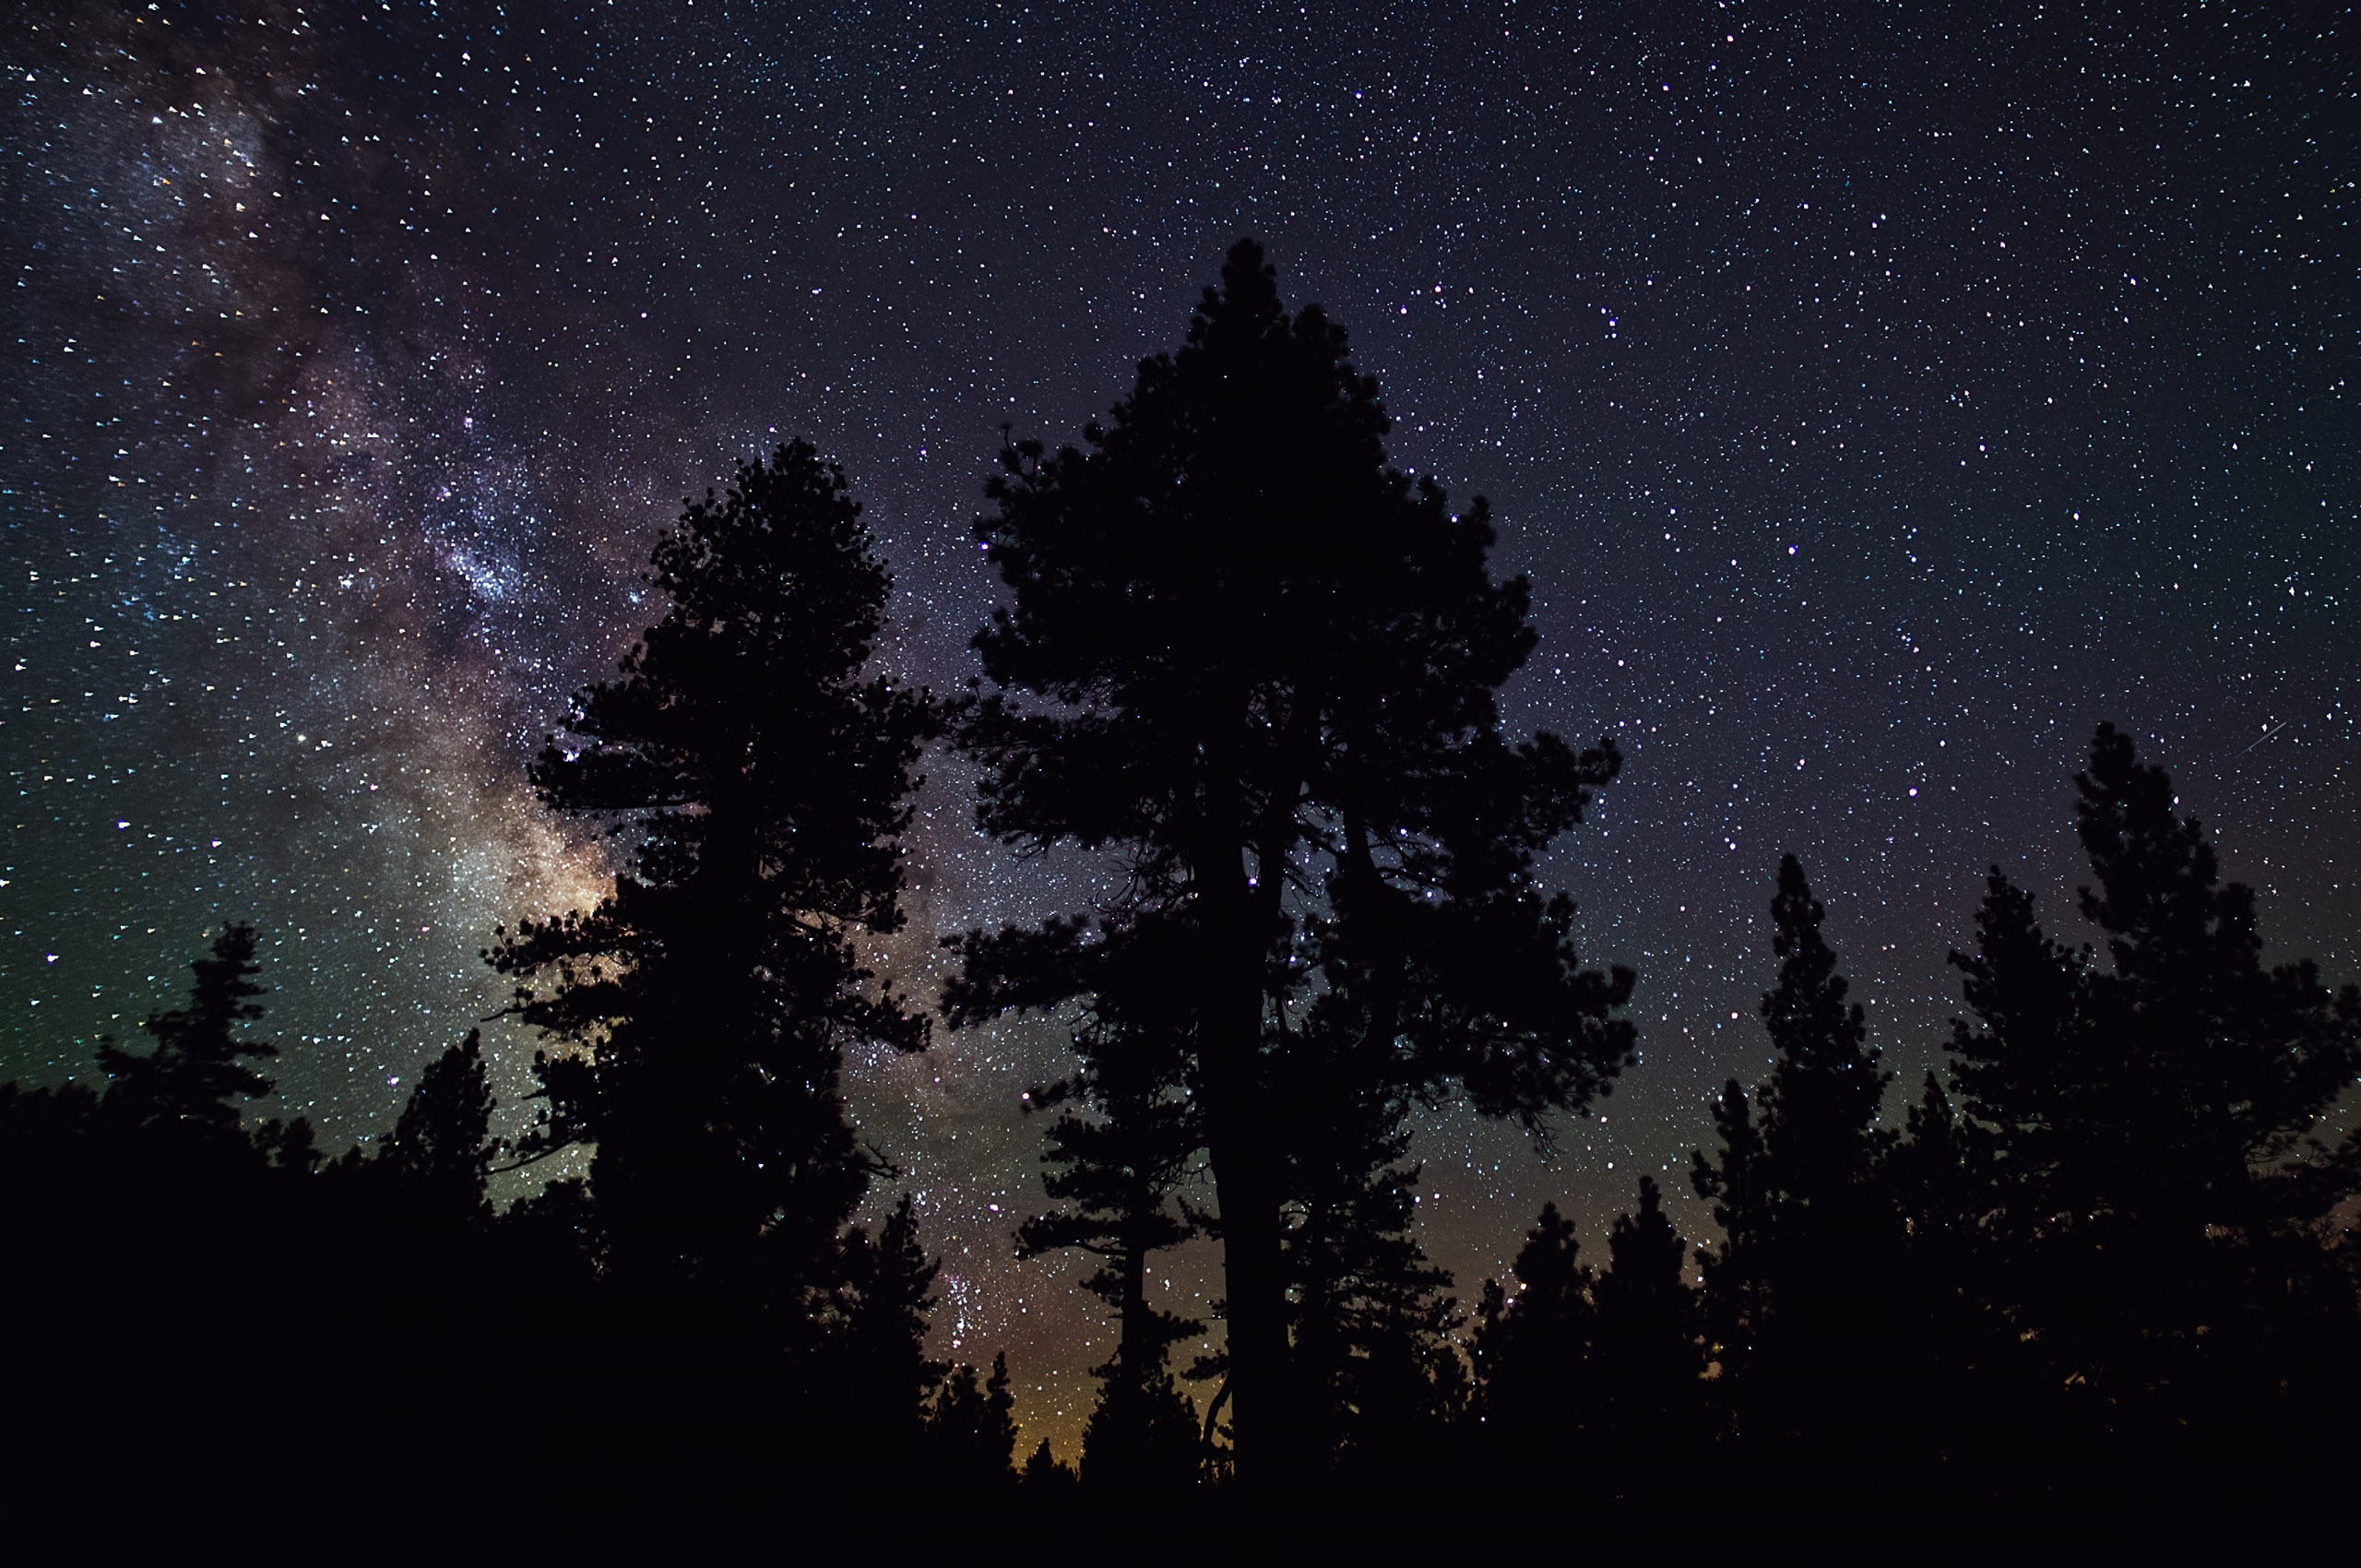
(1045, 1476)
(1795, 1288)
(2157, 1178)
(1370, 1319)
(1116, 1171)
(439, 1152)
(186, 1082)
(2230, 1066)
(872, 1368)
(972, 1430)
(1736, 1303)
(2029, 1069)
(1647, 1353)
(703, 1007)
(1534, 1349)
(1240, 649)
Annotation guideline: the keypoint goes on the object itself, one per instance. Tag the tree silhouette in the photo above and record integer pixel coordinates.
(1045, 1476)
(196, 1067)
(2146, 1137)
(872, 1367)
(1585, 1372)
(1533, 1351)
(1376, 1369)
(1805, 1235)
(1116, 1171)
(971, 1429)
(705, 1005)
(1648, 1351)
(440, 1149)
(1258, 663)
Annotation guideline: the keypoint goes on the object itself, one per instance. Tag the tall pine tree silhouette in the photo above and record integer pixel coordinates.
(1648, 1350)
(1260, 664)
(703, 1007)
(1532, 1352)
(1795, 1283)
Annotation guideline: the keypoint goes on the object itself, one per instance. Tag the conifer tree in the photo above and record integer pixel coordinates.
(1647, 1353)
(2029, 1069)
(188, 1079)
(1260, 664)
(440, 1149)
(703, 1007)
(1736, 1303)
(971, 1429)
(1371, 1318)
(1534, 1349)
(873, 1365)
(2231, 1066)
(1044, 1475)
(2157, 1178)
(1116, 1171)
(1807, 1237)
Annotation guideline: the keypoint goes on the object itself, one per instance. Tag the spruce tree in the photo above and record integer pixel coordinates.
(871, 1371)
(1371, 1318)
(703, 1007)
(1045, 1476)
(1260, 664)
(2231, 1067)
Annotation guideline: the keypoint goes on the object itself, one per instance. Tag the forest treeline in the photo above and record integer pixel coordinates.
(1256, 666)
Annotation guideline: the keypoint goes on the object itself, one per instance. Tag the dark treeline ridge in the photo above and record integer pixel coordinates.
(2111, 1245)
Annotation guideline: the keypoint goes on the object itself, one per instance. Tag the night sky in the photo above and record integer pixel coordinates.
(1880, 397)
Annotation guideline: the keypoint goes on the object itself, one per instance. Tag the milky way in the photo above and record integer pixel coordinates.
(1878, 399)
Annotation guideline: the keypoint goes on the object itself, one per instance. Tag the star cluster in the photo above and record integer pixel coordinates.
(1878, 397)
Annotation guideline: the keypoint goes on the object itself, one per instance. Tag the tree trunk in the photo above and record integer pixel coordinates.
(1243, 1150)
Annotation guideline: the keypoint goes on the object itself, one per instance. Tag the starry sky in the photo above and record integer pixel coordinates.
(1880, 395)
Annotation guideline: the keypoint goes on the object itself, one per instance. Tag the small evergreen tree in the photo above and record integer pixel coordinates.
(196, 1068)
(1378, 1379)
(972, 1430)
(1116, 1171)
(1044, 1475)
(872, 1367)
(439, 1152)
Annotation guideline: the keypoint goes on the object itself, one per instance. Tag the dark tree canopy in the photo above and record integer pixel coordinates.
(705, 1003)
(1260, 664)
